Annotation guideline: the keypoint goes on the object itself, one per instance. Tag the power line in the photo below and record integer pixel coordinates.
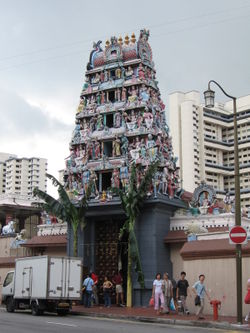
(162, 34)
(150, 26)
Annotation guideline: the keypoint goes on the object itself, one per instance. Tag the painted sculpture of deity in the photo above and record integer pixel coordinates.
(117, 120)
(124, 174)
(151, 148)
(124, 145)
(133, 95)
(97, 147)
(85, 180)
(148, 118)
(116, 147)
(141, 72)
(115, 181)
(129, 73)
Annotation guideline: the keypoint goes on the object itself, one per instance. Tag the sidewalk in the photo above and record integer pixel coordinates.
(149, 315)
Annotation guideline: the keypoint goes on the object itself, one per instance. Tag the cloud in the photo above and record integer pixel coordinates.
(21, 119)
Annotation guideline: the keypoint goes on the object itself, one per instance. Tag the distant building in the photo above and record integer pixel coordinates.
(21, 175)
(204, 141)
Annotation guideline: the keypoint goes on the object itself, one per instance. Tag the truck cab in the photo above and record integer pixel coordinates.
(8, 290)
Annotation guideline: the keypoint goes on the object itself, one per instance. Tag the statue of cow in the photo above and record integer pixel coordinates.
(9, 228)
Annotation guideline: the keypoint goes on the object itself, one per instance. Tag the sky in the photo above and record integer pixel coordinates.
(45, 46)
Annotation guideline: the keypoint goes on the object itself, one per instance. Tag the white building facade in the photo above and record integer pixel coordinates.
(21, 175)
(203, 139)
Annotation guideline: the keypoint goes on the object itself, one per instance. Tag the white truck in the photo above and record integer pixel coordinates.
(43, 283)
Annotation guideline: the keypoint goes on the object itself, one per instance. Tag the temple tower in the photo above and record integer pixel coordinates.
(120, 120)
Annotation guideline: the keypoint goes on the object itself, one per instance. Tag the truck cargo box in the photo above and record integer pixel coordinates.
(46, 277)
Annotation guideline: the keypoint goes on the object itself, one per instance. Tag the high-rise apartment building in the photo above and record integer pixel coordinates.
(203, 139)
(22, 175)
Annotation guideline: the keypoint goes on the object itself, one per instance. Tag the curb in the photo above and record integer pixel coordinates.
(190, 323)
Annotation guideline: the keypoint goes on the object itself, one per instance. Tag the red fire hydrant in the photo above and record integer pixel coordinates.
(216, 306)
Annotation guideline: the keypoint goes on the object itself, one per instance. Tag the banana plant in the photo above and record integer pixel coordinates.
(64, 208)
(132, 198)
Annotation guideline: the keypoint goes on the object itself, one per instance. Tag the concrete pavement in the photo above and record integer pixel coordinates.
(24, 322)
(148, 315)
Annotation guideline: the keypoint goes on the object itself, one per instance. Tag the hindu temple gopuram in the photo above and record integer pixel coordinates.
(120, 120)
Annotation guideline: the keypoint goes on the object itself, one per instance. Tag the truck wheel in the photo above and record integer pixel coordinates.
(10, 304)
(62, 312)
(35, 309)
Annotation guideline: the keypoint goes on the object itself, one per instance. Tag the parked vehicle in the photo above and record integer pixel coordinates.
(43, 283)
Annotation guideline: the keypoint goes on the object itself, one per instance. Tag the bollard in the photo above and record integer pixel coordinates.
(216, 306)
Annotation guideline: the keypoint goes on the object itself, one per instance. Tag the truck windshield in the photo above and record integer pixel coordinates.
(8, 279)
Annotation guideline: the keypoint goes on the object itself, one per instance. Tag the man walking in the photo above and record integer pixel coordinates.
(182, 292)
(200, 291)
(88, 286)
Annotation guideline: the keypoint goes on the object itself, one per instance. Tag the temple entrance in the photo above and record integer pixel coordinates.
(110, 254)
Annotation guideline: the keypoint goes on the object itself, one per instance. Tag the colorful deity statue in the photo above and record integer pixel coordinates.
(133, 95)
(115, 181)
(141, 72)
(118, 73)
(85, 180)
(117, 120)
(102, 97)
(96, 79)
(124, 145)
(97, 147)
(144, 95)
(124, 94)
(148, 118)
(129, 72)
(99, 123)
(118, 95)
(124, 175)
(143, 149)
(116, 147)
(151, 148)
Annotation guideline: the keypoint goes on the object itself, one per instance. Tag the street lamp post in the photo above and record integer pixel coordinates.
(209, 102)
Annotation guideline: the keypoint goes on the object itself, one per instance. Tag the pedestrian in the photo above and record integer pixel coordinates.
(200, 291)
(107, 287)
(95, 278)
(88, 286)
(167, 288)
(118, 280)
(247, 299)
(157, 293)
(182, 292)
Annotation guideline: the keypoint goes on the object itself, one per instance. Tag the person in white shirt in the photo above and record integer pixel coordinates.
(157, 293)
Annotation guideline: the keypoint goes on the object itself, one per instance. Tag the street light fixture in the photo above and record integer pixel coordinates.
(209, 102)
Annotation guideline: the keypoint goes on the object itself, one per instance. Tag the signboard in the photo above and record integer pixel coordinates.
(237, 235)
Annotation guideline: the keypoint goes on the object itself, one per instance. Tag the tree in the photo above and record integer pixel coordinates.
(64, 208)
(132, 199)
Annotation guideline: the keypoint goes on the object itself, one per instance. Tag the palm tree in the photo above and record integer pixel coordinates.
(132, 199)
(64, 208)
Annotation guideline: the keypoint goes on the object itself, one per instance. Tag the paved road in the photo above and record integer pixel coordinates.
(24, 322)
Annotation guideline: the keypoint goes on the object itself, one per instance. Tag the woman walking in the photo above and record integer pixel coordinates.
(157, 293)
(167, 288)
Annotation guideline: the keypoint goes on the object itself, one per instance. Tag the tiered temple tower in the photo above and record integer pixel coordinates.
(121, 120)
